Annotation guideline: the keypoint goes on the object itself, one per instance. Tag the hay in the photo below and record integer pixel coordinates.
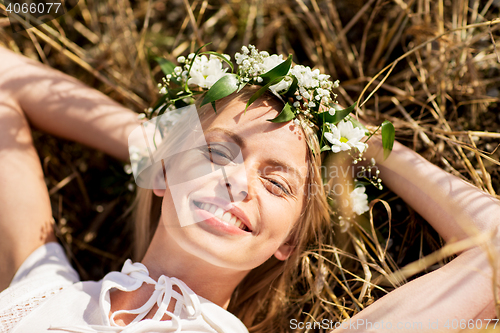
(430, 67)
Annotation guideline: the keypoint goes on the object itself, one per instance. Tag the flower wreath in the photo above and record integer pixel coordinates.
(303, 91)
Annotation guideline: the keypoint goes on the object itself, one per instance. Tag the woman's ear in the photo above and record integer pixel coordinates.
(159, 192)
(285, 250)
(160, 181)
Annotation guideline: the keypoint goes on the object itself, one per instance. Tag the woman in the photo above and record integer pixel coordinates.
(72, 110)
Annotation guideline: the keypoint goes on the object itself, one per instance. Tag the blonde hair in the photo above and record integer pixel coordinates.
(262, 299)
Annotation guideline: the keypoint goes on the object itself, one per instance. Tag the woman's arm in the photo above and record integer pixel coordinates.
(462, 289)
(61, 105)
(56, 103)
(455, 208)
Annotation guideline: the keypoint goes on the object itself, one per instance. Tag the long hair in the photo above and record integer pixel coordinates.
(262, 299)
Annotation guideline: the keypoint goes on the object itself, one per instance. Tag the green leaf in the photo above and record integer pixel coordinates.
(388, 135)
(159, 103)
(326, 117)
(280, 70)
(221, 57)
(162, 110)
(167, 67)
(262, 90)
(341, 114)
(241, 86)
(293, 88)
(325, 148)
(225, 86)
(285, 115)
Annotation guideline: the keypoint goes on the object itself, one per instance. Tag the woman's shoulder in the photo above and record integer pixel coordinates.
(46, 294)
(69, 305)
(44, 274)
(46, 269)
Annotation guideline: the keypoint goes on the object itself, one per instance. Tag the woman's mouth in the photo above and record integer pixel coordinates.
(224, 216)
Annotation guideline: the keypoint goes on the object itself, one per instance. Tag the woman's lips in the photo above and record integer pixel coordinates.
(222, 216)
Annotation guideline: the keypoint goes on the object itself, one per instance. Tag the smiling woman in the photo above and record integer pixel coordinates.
(222, 224)
(269, 195)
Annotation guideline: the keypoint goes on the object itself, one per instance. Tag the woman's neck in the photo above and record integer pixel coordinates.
(213, 283)
(216, 284)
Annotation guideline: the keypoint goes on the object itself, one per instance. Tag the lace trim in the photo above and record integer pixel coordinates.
(10, 317)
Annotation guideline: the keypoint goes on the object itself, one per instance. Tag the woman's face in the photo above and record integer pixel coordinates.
(265, 197)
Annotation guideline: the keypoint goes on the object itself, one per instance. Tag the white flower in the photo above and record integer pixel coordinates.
(280, 86)
(344, 137)
(310, 78)
(239, 58)
(359, 200)
(271, 61)
(135, 154)
(205, 72)
(331, 111)
(127, 168)
(344, 225)
(181, 59)
(178, 70)
(296, 104)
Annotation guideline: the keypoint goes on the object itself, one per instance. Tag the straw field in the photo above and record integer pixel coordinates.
(431, 67)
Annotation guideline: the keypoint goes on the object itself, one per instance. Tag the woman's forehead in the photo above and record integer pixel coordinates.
(252, 131)
(255, 120)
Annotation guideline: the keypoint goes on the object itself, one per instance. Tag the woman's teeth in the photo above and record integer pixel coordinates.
(223, 216)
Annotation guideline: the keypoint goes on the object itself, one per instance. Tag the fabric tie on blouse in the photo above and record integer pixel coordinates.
(131, 277)
(162, 296)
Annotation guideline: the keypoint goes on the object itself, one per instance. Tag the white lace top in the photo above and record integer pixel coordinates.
(45, 295)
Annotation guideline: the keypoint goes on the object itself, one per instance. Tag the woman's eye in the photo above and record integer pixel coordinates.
(277, 188)
(218, 156)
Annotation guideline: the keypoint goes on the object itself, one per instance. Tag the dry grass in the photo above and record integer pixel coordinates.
(433, 69)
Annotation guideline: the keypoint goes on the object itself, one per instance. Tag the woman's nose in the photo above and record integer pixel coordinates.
(234, 179)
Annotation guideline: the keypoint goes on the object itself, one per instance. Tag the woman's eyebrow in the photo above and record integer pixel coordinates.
(273, 162)
(235, 137)
(276, 163)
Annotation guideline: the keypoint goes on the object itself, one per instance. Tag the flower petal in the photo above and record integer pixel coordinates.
(335, 149)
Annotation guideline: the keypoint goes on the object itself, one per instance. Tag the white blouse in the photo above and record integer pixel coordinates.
(46, 295)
